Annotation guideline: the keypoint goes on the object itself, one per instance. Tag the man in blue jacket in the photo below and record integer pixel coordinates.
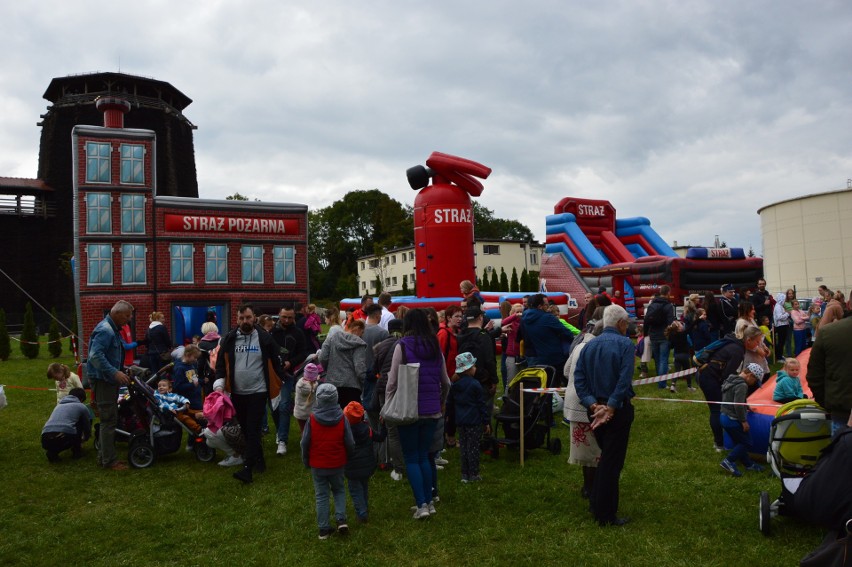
(543, 336)
(106, 353)
(603, 381)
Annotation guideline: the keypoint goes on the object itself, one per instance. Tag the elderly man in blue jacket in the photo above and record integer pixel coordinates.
(106, 353)
(544, 336)
(603, 381)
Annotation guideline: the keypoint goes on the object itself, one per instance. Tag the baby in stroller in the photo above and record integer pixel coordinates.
(176, 404)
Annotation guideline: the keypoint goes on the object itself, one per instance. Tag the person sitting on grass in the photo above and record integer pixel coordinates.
(65, 380)
(467, 402)
(734, 418)
(68, 427)
(326, 444)
(787, 385)
(175, 403)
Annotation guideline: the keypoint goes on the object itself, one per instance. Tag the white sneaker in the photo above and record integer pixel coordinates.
(231, 461)
(422, 512)
(441, 461)
(282, 448)
(439, 467)
(396, 476)
(673, 389)
(431, 508)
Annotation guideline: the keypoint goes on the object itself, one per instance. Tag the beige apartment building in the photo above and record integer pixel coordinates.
(397, 265)
(807, 242)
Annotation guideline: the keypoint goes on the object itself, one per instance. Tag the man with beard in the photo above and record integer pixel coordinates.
(248, 362)
(292, 350)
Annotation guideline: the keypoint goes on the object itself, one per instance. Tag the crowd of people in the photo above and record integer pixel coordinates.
(223, 387)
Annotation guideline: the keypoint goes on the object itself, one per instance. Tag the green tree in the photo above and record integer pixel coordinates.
(379, 287)
(29, 335)
(504, 280)
(525, 281)
(486, 283)
(405, 290)
(238, 197)
(534, 281)
(360, 224)
(54, 345)
(494, 284)
(486, 225)
(514, 285)
(5, 342)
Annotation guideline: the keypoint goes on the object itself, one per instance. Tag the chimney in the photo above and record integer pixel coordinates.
(114, 109)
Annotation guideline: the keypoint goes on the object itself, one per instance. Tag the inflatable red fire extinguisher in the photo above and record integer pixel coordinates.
(443, 222)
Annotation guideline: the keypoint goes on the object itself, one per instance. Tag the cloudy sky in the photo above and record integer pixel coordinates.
(693, 114)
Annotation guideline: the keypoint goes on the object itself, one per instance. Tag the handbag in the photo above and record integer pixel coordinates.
(834, 551)
(234, 437)
(401, 408)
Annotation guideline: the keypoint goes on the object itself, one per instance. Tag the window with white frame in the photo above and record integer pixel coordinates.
(284, 264)
(98, 162)
(403, 257)
(411, 256)
(100, 264)
(374, 263)
(181, 263)
(393, 259)
(98, 213)
(393, 280)
(133, 264)
(133, 214)
(490, 248)
(362, 266)
(252, 262)
(216, 263)
(533, 258)
(132, 163)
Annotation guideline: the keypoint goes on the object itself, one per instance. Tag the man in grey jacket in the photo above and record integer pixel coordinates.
(69, 425)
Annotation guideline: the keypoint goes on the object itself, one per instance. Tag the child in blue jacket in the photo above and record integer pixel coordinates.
(787, 385)
(467, 403)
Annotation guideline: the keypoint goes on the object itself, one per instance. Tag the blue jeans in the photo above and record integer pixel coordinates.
(359, 490)
(660, 354)
(285, 410)
(799, 338)
(415, 440)
(740, 438)
(323, 484)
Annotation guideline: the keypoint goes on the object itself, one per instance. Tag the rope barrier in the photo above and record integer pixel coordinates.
(59, 340)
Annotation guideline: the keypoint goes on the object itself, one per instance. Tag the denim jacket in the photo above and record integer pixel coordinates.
(105, 352)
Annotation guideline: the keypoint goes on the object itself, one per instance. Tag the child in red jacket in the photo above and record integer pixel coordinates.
(326, 443)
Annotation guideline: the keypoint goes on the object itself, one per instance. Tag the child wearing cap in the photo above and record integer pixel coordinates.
(305, 395)
(326, 444)
(219, 411)
(734, 417)
(362, 462)
(468, 404)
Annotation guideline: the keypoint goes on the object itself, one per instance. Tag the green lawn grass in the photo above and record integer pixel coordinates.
(685, 509)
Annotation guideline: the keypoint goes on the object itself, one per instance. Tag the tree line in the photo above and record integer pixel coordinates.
(370, 222)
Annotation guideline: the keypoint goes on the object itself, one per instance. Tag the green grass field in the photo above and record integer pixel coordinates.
(685, 509)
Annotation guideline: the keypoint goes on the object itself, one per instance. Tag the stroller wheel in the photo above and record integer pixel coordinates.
(204, 453)
(555, 447)
(141, 454)
(765, 514)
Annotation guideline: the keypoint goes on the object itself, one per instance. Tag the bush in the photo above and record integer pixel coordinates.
(54, 345)
(5, 343)
(29, 335)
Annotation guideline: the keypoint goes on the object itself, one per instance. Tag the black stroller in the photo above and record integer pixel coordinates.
(149, 431)
(537, 416)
